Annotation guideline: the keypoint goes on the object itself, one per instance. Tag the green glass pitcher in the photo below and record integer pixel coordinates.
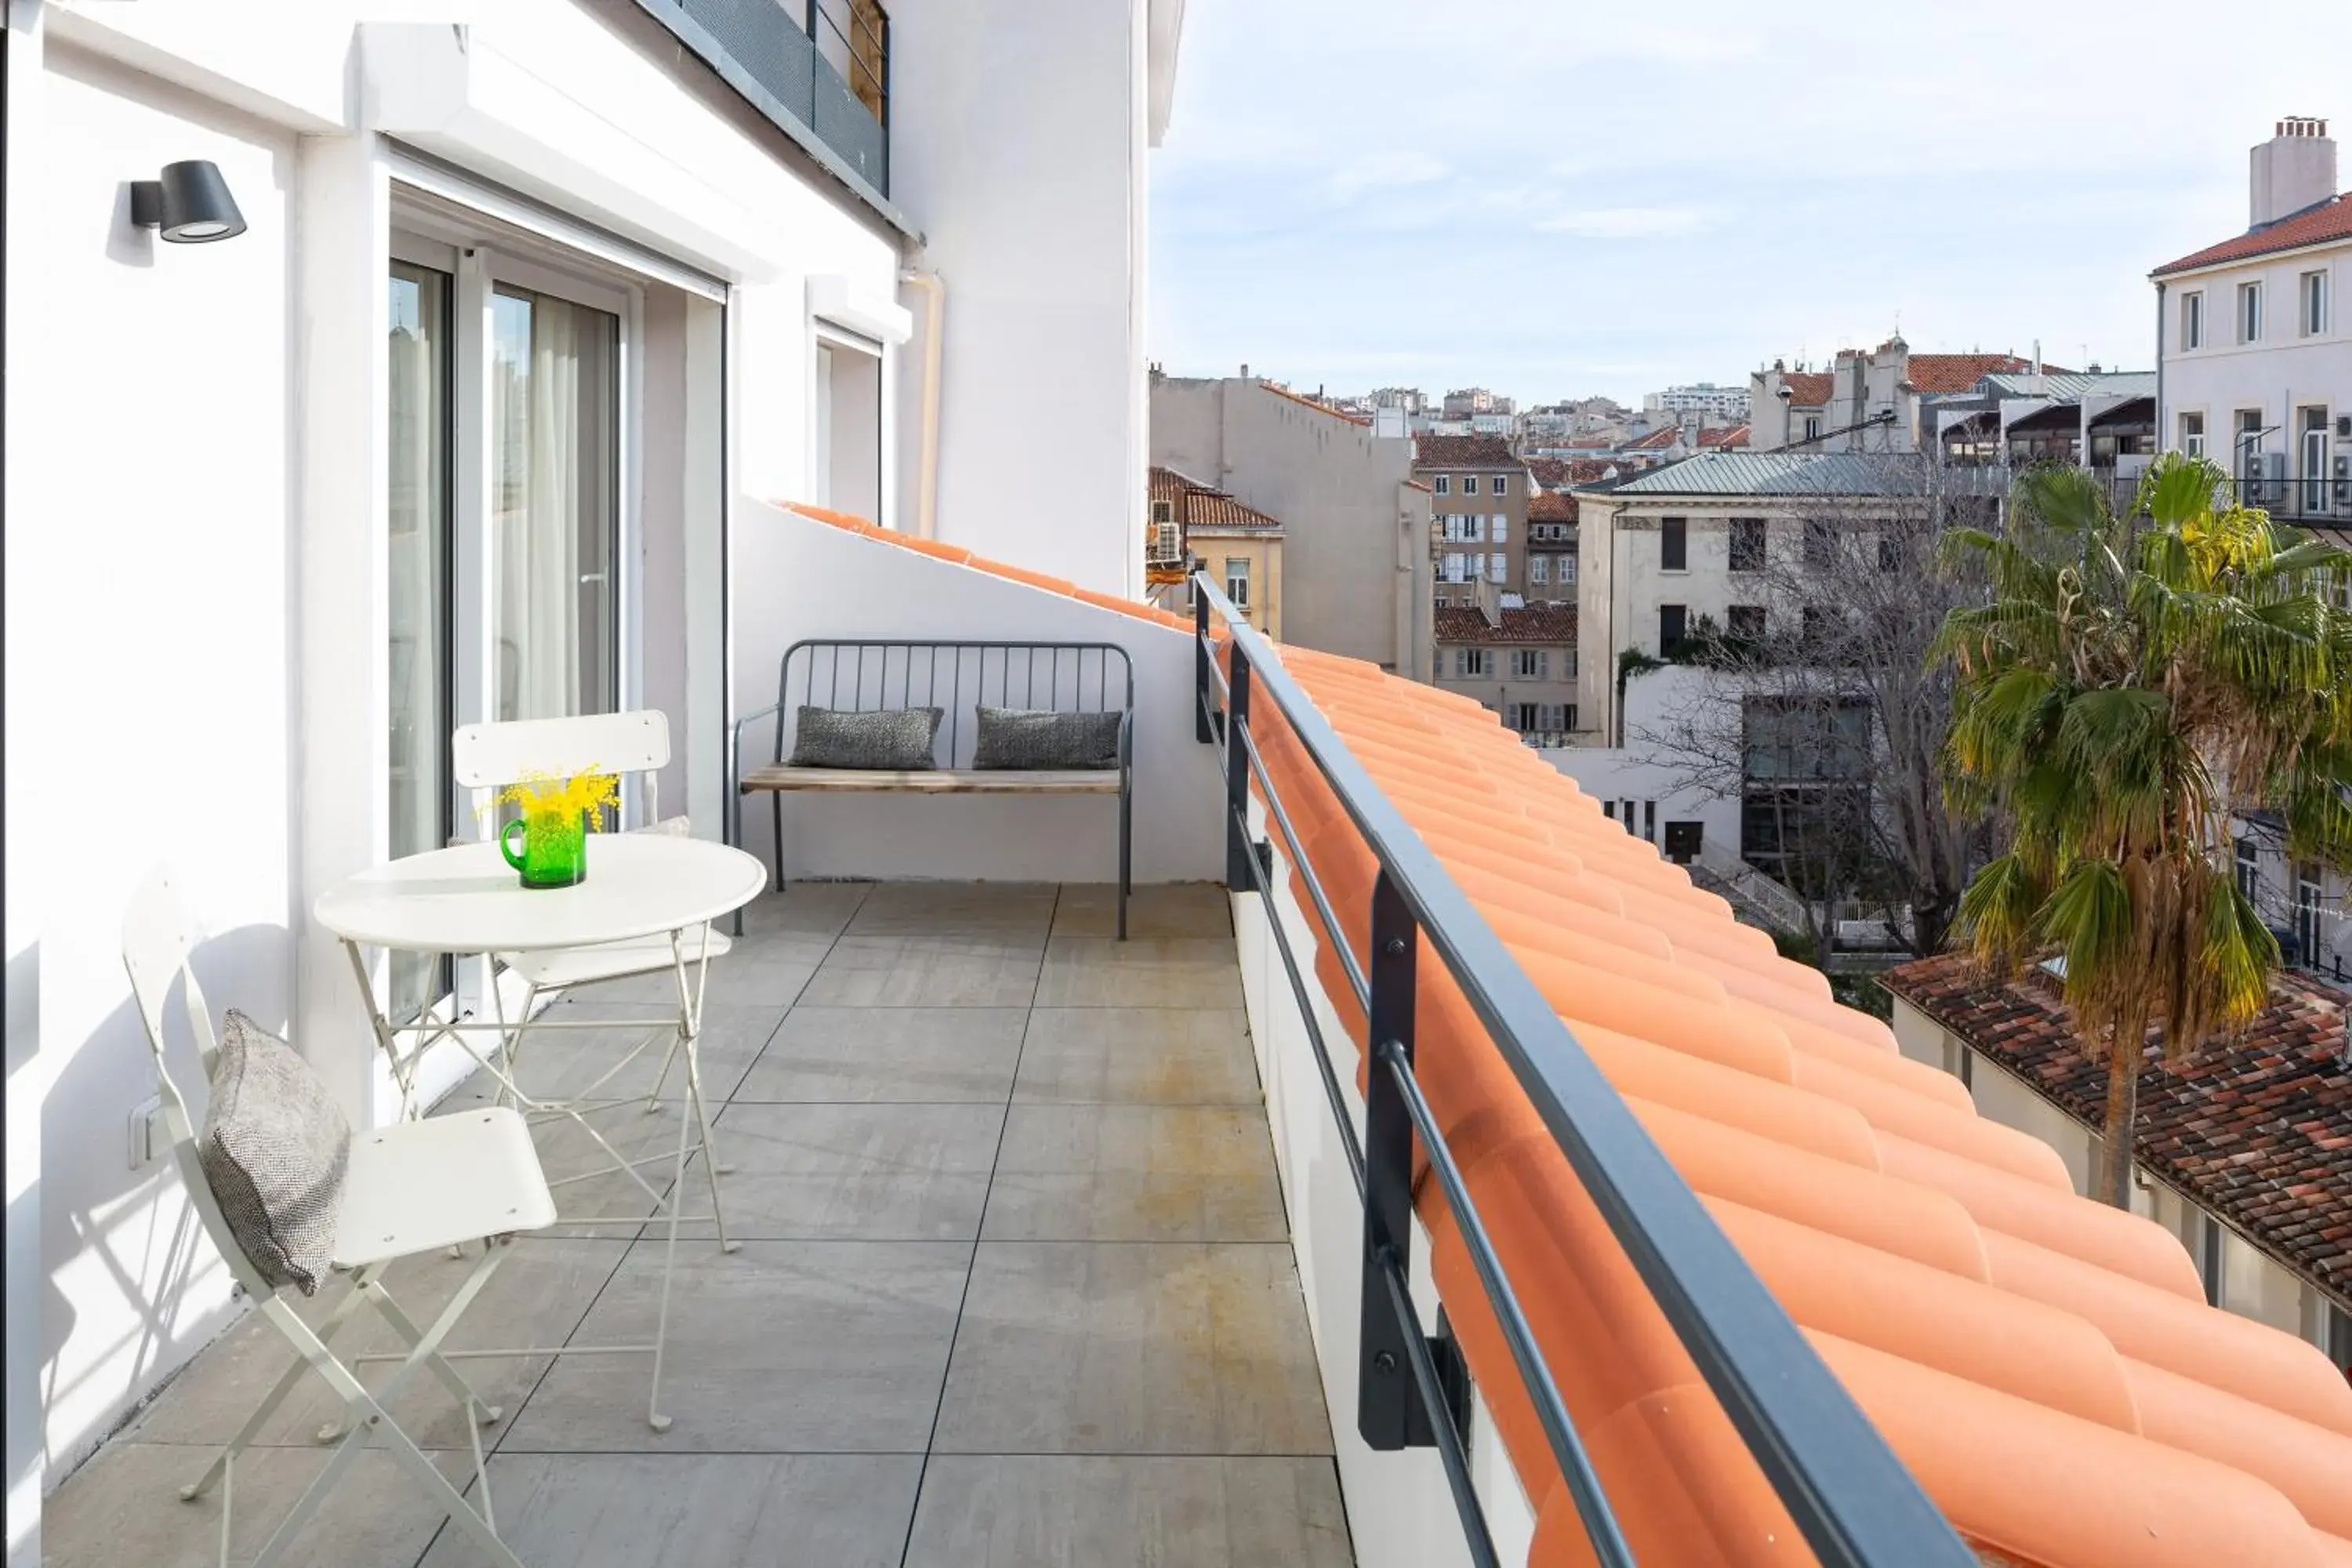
(554, 851)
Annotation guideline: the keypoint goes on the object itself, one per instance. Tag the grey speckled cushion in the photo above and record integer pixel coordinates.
(897, 739)
(1042, 739)
(275, 1151)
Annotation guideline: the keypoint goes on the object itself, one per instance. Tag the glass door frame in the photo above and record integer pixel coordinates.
(479, 257)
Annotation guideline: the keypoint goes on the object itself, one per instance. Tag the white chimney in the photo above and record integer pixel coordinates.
(2291, 171)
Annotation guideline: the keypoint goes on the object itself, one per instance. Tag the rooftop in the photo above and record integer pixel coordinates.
(1723, 438)
(2071, 385)
(2258, 1131)
(1551, 505)
(1549, 625)
(1807, 388)
(1205, 507)
(1800, 473)
(1958, 372)
(2316, 224)
(1463, 452)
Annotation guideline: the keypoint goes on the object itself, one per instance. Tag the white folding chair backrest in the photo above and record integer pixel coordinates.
(485, 758)
(155, 946)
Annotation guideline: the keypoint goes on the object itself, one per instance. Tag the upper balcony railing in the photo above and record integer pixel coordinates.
(1854, 1502)
(819, 68)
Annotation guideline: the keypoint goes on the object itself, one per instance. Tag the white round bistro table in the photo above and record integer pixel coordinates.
(642, 889)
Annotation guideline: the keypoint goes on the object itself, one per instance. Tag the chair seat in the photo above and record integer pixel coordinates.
(417, 1186)
(562, 966)
(936, 780)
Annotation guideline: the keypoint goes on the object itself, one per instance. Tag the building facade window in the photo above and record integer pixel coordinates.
(1441, 485)
(1812, 426)
(2249, 874)
(2250, 440)
(1473, 662)
(1748, 545)
(1540, 571)
(1746, 621)
(2192, 435)
(1674, 545)
(2250, 312)
(1890, 553)
(1673, 620)
(1502, 483)
(1821, 543)
(1530, 663)
(1457, 566)
(2314, 297)
(1567, 571)
(2192, 320)
(1469, 484)
(1237, 581)
(2314, 423)
(1498, 528)
(1497, 565)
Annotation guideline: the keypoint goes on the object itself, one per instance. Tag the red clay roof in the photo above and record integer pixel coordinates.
(1723, 438)
(1552, 625)
(1463, 452)
(1807, 388)
(1551, 505)
(2045, 1366)
(1958, 372)
(1204, 506)
(1656, 441)
(2330, 219)
(2258, 1131)
(1549, 472)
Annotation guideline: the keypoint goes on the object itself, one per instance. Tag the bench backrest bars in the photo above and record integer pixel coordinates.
(862, 677)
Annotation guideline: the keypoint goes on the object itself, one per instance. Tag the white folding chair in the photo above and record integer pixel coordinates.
(487, 758)
(411, 1188)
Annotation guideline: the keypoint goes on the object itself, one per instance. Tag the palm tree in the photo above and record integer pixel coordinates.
(2128, 684)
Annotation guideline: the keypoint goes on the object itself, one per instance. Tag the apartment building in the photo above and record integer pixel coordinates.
(1355, 526)
(1517, 661)
(1194, 526)
(1868, 400)
(1478, 495)
(2255, 370)
(2254, 359)
(2213, 1153)
(1552, 546)
(1707, 402)
(509, 319)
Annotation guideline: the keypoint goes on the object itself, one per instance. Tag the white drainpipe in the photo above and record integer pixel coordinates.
(926, 492)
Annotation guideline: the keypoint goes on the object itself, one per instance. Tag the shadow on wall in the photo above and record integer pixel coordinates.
(26, 1350)
(167, 1292)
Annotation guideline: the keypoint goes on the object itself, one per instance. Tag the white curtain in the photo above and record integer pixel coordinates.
(537, 413)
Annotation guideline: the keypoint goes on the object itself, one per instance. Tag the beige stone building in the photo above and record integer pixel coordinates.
(1520, 662)
(1478, 502)
(1194, 526)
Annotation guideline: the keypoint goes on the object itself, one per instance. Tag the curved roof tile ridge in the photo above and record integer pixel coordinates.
(2044, 1364)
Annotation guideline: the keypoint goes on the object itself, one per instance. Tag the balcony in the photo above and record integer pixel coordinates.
(1448, 1181)
(820, 70)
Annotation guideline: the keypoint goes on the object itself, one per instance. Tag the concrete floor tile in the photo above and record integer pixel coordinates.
(1133, 1348)
(1143, 972)
(1161, 910)
(784, 1347)
(934, 972)
(1156, 1055)
(875, 1173)
(906, 1054)
(1136, 1172)
(994, 1512)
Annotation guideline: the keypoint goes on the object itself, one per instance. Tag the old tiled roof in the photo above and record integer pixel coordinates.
(2259, 1130)
(1551, 505)
(1549, 472)
(1656, 441)
(1204, 506)
(1958, 372)
(1463, 452)
(2046, 1366)
(1807, 388)
(1586, 470)
(1723, 438)
(1549, 625)
(2315, 225)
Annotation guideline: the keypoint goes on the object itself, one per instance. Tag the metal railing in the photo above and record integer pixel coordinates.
(819, 68)
(1850, 1497)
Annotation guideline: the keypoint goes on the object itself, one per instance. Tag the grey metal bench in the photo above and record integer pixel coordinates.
(958, 677)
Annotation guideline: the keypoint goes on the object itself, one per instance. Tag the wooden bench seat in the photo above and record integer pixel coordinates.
(936, 781)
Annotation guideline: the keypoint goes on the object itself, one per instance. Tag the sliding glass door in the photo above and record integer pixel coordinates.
(418, 579)
(554, 522)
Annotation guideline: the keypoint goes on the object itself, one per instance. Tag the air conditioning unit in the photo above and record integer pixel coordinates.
(2340, 485)
(2265, 478)
(2344, 426)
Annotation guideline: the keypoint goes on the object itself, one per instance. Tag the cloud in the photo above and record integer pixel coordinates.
(1383, 172)
(1626, 223)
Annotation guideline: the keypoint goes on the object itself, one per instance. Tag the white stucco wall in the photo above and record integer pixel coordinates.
(2281, 373)
(797, 578)
(196, 554)
(1037, 229)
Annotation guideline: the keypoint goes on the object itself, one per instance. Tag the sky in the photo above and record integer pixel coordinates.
(1553, 198)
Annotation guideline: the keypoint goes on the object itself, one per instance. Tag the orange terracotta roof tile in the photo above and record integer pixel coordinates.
(1550, 623)
(1724, 437)
(1551, 505)
(1316, 403)
(1200, 505)
(1959, 372)
(2045, 1366)
(1462, 452)
(1656, 441)
(2316, 224)
(1807, 388)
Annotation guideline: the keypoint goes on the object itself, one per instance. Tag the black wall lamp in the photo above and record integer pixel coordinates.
(189, 206)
